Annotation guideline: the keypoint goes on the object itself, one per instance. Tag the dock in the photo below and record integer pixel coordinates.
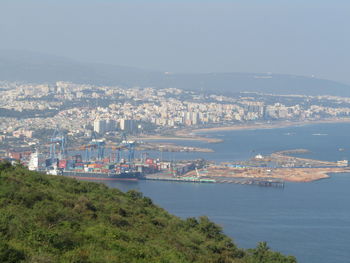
(220, 180)
(252, 181)
(156, 177)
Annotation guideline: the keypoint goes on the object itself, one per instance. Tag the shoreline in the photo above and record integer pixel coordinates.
(258, 126)
(170, 147)
(295, 175)
(308, 170)
(179, 137)
(188, 134)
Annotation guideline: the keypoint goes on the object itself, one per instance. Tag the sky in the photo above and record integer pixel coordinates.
(310, 38)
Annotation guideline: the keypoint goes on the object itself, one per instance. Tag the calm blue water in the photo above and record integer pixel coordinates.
(308, 220)
(240, 145)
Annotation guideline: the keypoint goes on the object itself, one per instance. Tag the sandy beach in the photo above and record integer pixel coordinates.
(188, 134)
(264, 125)
(179, 137)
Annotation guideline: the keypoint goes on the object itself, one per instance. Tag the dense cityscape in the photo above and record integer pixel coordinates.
(28, 110)
(174, 131)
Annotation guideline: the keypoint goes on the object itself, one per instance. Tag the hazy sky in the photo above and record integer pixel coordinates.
(310, 37)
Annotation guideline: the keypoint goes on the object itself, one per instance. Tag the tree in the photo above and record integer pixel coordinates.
(261, 252)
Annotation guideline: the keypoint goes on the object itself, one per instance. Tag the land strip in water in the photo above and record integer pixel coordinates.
(170, 147)
(258, 173)
(179, 136)
(263, 125)
(276, 166)
(190, 134)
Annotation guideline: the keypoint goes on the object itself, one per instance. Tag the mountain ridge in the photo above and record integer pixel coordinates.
(39, 68)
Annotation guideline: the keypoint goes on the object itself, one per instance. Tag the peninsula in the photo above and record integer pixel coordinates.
(278, 165)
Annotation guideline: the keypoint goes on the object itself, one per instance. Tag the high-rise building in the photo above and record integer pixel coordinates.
(100, 126)
(128, 125)
(111, 125)
(194, 118)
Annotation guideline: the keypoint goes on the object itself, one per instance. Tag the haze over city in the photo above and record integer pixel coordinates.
(309, 38)
(174, 131)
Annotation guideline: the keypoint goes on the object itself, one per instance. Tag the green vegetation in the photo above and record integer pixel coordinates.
(55, 219)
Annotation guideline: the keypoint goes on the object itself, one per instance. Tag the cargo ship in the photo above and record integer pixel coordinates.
(97, 170)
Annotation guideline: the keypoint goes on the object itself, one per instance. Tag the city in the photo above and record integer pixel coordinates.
(29, 111)
(174, 131)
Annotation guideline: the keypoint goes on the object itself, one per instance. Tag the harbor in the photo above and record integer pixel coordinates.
(133, 160)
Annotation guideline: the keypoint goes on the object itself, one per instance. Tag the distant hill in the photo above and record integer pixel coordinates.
(38, 68)
(230, 83)
(56, 219)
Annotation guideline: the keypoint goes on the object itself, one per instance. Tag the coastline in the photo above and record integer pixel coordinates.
(318, 170)
(170, 147)
(179, 137)
(263, 125)
(296, 175)
(190, 134)
(306, 170)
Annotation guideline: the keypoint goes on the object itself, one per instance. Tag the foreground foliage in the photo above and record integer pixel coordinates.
(55, 219)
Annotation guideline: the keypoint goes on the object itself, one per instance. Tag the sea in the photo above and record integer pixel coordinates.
(310, 221)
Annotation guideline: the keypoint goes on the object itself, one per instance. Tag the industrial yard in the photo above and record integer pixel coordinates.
(99, 159)
(276, 166)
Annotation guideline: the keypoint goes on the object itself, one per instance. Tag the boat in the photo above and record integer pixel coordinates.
(124, 176)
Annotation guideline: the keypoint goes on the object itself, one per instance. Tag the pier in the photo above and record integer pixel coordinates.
(221, 180)
(269, 183)
(157, 177)
(252, 181)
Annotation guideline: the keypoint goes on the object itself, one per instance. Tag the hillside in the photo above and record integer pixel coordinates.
(55, 219)
(39, 68)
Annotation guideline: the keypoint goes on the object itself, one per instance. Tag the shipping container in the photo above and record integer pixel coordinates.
(15, 155)
(149, 161)
(62, 164)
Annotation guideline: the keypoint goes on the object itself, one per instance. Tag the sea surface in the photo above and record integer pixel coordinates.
(308, 220)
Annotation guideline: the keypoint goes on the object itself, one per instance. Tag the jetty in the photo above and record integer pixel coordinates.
(269, 182)
(189, 179)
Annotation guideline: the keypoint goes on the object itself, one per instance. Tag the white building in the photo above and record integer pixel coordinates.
(100, 126)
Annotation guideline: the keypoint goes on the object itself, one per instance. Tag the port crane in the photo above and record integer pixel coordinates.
(117, 152)
(57, 138)
(94, 145)
(124, 144)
